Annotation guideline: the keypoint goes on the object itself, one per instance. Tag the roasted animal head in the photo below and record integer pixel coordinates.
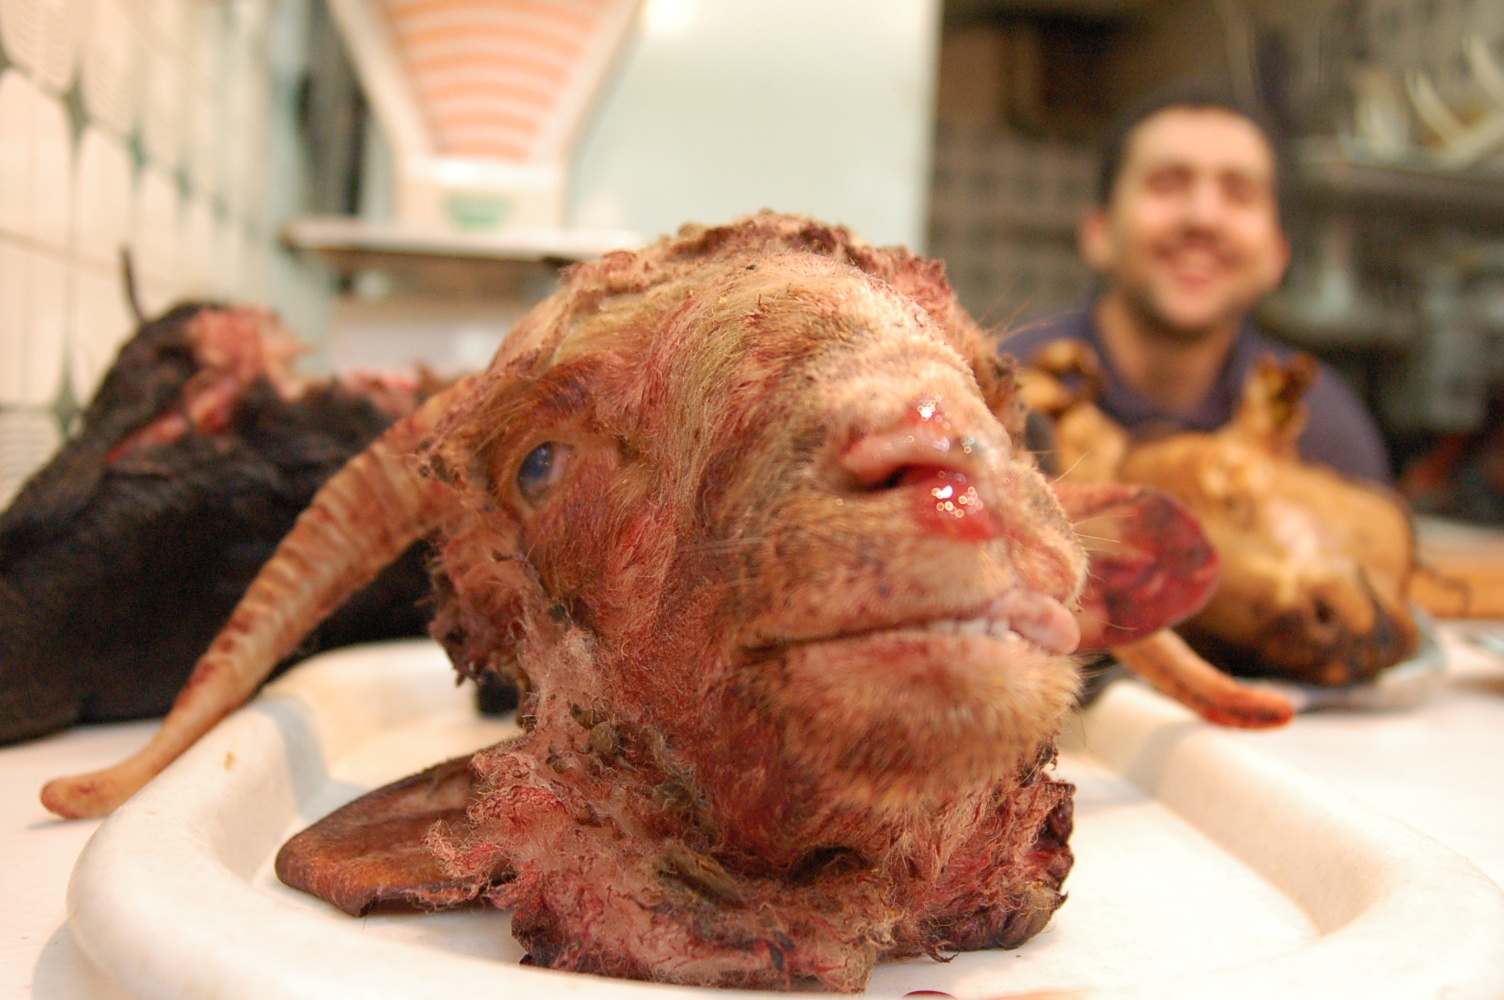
(1314, 565)
(743, 517)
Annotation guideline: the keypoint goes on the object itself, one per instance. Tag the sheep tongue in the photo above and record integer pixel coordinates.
(1151, 564)
(371, 851)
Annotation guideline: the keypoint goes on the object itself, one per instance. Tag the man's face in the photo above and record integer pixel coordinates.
(1191, 236)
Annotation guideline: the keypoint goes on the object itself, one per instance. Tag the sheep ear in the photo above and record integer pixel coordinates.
(1273, 411)
(1151, 567)
(1151, 564)
(371, 852)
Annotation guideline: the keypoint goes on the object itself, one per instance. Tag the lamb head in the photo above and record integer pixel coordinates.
(742, 516)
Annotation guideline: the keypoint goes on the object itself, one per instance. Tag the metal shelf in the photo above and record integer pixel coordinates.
(353, 244)
(1476, 197)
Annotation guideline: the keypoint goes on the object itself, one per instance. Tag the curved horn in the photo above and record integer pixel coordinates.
(1175, 669)
(365, 516)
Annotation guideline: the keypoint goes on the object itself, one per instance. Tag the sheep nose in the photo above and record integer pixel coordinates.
(943, 468)
(925, 441)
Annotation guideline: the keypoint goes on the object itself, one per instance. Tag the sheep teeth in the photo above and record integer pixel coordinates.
(997, 628)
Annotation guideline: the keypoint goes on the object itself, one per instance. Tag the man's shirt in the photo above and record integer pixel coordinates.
(1341, 433)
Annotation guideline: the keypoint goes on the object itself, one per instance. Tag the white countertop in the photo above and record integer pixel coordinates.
(38, 957)
(1439, 768)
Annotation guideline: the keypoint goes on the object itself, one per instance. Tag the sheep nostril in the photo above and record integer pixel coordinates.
(941, 474)
(900, 476)
(889, 459)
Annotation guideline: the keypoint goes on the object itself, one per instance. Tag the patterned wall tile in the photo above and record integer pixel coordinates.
(140, 124)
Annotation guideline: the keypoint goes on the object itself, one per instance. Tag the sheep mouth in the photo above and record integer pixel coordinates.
(1034, 620)
(982, 627)
(930, 705)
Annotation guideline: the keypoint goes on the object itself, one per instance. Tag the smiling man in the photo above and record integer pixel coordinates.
(1186, 238)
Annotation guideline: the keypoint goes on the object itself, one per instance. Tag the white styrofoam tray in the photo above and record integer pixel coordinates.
(1203, 869)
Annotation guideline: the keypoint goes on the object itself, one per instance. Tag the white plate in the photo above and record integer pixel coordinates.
(1204, 869)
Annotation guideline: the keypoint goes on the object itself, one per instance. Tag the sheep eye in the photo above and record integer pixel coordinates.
(542, 469)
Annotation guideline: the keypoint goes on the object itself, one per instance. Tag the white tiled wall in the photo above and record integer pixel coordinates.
(123, 123)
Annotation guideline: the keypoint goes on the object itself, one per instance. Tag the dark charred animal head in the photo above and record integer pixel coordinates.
(122, 557)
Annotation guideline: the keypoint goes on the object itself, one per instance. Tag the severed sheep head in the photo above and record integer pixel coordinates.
(735, 484)
(743, 517)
